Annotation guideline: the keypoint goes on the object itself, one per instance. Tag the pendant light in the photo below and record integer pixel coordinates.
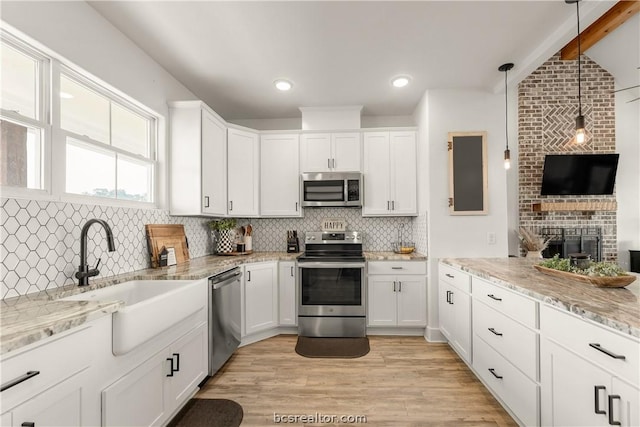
(507, 154)
(580, 131)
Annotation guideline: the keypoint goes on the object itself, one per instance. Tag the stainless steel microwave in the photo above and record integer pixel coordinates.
(330, 189)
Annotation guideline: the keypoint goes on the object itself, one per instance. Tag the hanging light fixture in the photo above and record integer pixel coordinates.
(507, 154)
(580, 131)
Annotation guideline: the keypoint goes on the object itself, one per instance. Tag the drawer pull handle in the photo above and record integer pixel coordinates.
(493, 372)
(612, 422)
(450, 276)
(16, 381)
(28, 424)
(177, 356)
(170, 374)
(396, 268)
(493, 297)
(448, 295)
(494, 332)
(596, 400)
(451, 297)
(394, 286)
(607, 352)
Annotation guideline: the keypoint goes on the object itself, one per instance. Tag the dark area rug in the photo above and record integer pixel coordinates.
(208, 413)
(345, 348)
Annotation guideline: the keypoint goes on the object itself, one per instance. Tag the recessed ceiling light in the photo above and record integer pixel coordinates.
(400, 81)
(65, 95)
(283, 85)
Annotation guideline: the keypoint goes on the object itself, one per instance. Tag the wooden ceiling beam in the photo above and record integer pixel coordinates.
(595, 32)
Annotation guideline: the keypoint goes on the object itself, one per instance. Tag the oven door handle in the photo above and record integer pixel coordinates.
(331, 265)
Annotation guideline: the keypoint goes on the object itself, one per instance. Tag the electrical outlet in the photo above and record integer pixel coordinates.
(491, 238)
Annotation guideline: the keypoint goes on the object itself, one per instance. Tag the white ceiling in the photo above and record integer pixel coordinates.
(343, 53)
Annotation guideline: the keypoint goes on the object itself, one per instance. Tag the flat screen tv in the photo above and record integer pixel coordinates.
(579, 174)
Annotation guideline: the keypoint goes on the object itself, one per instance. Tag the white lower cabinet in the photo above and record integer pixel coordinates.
(61, 405)
(396, 294)
(287, 294)
(454, 302)
(154, 390)
(260, 297)
(516, 390)
(589, 375)
(47, 383)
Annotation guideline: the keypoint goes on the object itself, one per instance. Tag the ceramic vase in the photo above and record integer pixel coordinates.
(534, 254)
(224, 243)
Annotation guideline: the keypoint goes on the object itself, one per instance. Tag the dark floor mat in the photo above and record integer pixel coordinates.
(345, 348)
(208, 413)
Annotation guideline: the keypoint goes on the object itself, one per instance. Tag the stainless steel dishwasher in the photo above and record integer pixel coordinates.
(224, 317)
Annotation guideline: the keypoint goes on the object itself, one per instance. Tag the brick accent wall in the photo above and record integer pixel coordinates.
(547, 108)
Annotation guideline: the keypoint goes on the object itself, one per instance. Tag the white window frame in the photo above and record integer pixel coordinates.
(54, 138)
(61, 135)
(43, 116)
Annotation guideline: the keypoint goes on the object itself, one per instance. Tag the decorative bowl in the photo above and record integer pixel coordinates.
(403, 247)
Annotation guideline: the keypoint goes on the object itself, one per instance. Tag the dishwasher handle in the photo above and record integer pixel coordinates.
(224, 279)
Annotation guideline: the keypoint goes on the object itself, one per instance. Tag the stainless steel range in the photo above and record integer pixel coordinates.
(332, 286)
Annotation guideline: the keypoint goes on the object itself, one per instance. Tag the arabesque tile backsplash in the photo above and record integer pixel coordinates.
(40, 240)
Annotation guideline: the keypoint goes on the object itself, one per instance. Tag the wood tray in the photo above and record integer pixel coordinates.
(602, 282)
(234, 253)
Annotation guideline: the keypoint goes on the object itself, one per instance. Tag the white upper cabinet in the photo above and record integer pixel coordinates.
(243, 174)
(324, 152)
(390, 187)
(214, 166)
(279, 176)
(197, 155)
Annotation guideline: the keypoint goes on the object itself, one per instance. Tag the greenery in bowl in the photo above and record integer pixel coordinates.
(595, 269)
(222, 224)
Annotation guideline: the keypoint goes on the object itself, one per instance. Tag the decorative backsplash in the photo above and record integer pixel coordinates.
(40, 247)
(270, 234)
(40, 240)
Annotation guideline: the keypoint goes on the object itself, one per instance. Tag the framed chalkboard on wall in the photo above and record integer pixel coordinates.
(467, 173)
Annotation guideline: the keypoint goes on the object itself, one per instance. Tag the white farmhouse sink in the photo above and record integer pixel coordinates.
(151, 306)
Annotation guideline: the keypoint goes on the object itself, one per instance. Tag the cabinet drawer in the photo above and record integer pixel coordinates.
(593, 342)
(515, 342)
(455, 277)
(517, 391)
(507, 302)
(56, 359)
(397, 267)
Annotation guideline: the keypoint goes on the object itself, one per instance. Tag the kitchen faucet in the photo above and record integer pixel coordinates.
(84, 272)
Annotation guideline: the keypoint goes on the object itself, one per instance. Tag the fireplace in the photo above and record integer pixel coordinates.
(565, 241)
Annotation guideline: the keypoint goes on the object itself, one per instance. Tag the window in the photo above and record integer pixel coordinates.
(65, 133)
(110, 149)
(23, 117)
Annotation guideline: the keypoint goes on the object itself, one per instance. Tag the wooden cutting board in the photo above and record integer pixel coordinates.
(167, 235)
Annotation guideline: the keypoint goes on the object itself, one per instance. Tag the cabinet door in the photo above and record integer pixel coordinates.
(190, 363)
(462, 322)
(573, 390)
(412, 300)
(287, 294)
(346, 150)
(445, 310)
(279, 176)
(58, 406)
(214, 165)
(261, 297)
(137, 399)
(377, 200)
(381, 303)
(315, 152)
(626, 407)
(243, 173)
(403, 173)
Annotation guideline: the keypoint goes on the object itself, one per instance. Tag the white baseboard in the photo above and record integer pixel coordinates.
(434, 335)
(410, 332)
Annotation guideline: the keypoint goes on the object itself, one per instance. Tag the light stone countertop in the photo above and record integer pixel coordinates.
(30, 318)
(617, 308)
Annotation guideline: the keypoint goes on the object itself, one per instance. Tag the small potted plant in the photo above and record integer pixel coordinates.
(223, 234)
(531, 242)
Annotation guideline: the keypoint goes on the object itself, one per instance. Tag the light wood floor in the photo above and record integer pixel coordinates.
(403, 381)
